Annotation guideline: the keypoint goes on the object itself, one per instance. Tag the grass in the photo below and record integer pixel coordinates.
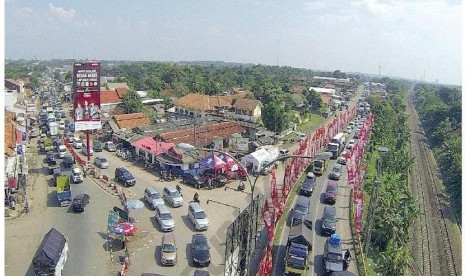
(310, 123)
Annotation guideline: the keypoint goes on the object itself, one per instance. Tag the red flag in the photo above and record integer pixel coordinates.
(273, 187)
(266, 215)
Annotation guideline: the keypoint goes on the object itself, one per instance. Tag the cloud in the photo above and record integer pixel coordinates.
(61, 12)
(25, 13)
(316, 5)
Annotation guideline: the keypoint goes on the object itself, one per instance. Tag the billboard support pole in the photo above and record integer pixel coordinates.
(88, 147)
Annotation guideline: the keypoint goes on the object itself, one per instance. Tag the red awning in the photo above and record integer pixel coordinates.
(149, 144)
(12, 183)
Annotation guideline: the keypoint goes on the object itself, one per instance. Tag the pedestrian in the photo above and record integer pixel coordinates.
(209, 183)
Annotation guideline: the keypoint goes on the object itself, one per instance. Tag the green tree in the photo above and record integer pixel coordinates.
(314, 100)
(275, 117)
(132, 102)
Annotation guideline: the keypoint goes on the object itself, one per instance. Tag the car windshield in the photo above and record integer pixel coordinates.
(155, 196)
(334, 257)
(330, 218)
(336, 169)
(200, 246)
(127, 175)
(331, 189)
(103, 160)
(175, 193)
(166, 216)
(300, 209)
(200, 215)
(168, 248)
(77, 140)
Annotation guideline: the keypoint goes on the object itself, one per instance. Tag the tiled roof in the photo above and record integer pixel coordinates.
(121, 91)
(247, 104)
(12, 81)
(131, 120)
(10, 138)
(201, 102)
(203, 133)
(109, 96)
(9, 115)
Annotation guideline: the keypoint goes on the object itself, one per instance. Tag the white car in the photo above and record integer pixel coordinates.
(77, 143)
(76, 175)
(351, 144)
(84, 149)
(62, 126)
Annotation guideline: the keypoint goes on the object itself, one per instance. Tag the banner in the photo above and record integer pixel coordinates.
(239, 144)
(359, 212)
(86, 95)
(274, 192)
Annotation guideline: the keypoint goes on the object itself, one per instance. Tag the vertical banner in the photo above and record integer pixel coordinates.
(86, 95)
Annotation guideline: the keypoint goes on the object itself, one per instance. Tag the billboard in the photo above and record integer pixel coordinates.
(86, 95)
(239, 144)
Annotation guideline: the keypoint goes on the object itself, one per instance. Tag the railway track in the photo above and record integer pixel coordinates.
(431, 235)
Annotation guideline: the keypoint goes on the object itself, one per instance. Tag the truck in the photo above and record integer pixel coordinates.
(333, 259)
(63, 190)
(321, 162)
(298, 249)
(51, 256)
(337, 145)
(53, 128)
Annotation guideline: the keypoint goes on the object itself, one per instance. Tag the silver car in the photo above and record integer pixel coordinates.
(152, 197)
(101, 162)
(164, 218)
(335, 173)
(173, 196)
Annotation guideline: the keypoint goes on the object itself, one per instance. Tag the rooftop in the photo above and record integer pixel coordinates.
(201, 102)
(247, 104)
(131, 120)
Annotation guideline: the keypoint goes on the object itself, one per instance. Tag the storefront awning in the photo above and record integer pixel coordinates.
(149, 144)
(12, 183)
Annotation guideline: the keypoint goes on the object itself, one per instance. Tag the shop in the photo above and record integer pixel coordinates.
(148, 149)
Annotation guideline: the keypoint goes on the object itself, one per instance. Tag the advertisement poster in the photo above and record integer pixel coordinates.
(86, 95)
(239, 144)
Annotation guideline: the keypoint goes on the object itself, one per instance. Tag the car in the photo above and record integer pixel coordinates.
(200, 250)
(335, 173)
(62, 151)
(68, 161)
(197, 216)
(328, 225)
(70, 137)
(283, 152)
(351, 144)
(300, 211)
(101, 162)
(51, 158)
(307, 187)
(80, 201)
(125, 177)
(77, 143)
(109, 146)
(97, 146)
(84, 149)
(168, 249)
(173, 196)
(348, 130)
(34, 133)
(194, 180)
(71, 127)
(333, 260)
(61, 126)
(153, 197)
(67, 122)
(217, 179)
(342, 159)
(302, 136)
(164, 218)
(330, 194)
(77, 175)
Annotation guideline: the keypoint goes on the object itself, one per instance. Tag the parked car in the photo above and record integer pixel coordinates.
(97, 146)
(335, 173)
(200, 250)
(125, 177)
(77, 143)
(301, 210)
(307, 187)
(194, 180)
(109, 146)
(197, 216)
(330, 194)
(328, 225)
(101, 162)
(168, 249)
(153, 197)
(68, 161)
(76, 175)
(217, 180)
(51, 158)
(164, 218)
(80, 201)
(173, 196)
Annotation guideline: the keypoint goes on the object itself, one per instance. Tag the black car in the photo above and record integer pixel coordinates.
(200, 250)
(308, 185)
(194, 180)
(97, 146)
(125, 177)
(67, 122)
(218, 180)
(51, 158)
(80, 201)
(68, 161)
(328, 225)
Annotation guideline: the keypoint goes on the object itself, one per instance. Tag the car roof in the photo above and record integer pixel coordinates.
(302, 200)
(332, 183)
(162, 208)
(170, 188)
(338, 166)
(196, 206)
(152, 189)
(199, 237)
(80, 196)
(329, 210)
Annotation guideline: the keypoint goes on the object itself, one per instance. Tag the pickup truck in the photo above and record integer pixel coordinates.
(298, 249)
(63, 190)
(51, 256)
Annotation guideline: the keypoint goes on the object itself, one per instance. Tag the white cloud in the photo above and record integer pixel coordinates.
(316, 5)
(61, 12)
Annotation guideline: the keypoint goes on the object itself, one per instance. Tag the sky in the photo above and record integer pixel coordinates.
(399, 38)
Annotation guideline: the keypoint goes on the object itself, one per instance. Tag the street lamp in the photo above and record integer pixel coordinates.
(374, 196)
(237, 190)
(225, 204)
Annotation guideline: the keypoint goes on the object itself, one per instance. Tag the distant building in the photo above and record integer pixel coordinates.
(247, 109)
(327, 91)
(198, 105)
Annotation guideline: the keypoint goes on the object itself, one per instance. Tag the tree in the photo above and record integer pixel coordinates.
(314, 100)
(275, 117)
(132, 102)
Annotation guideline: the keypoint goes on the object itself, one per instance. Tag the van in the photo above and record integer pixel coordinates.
(328, 225)
(164, 218)
(198, 216)
(62, 151)
(124, 176)
(301, 210)
(173, 196)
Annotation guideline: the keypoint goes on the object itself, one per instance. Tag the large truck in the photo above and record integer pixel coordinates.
(337, 145)
(51, 255)
(53, 128)
(321, 162)
(298, 249)
(63, 190)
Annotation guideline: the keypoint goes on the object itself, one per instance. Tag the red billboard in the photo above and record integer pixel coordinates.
(86, 95)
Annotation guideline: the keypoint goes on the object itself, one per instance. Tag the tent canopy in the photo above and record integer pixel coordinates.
(149, 144)
(257, 158)
(212, 161)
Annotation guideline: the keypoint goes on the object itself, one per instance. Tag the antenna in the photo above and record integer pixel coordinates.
(379, 71)
(277, 55)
